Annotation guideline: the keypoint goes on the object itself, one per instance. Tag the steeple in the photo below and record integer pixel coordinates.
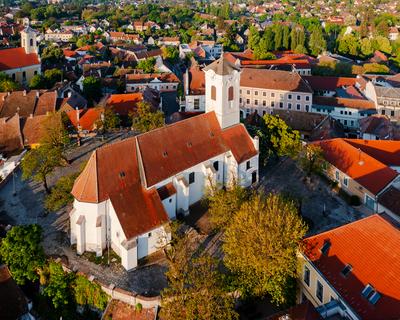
(28, 40)
(223, 91)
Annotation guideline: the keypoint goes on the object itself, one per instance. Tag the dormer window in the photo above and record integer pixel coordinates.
(325, 247)
(346, 270)
(367, 291)
(165, 154)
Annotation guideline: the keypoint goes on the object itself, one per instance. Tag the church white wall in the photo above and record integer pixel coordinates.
(245, 171)
(170, 206)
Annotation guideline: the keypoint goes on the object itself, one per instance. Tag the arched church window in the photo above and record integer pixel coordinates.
(213, 93)
(230, 93)
(31, 43)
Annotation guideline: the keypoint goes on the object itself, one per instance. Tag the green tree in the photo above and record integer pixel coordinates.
(53, 132)
(224, 203)
(92, 88)
(109, 121)
(7, 84)
(88, 293)
(170, 53)
(145, 119)
(58, 286)
(147, 65)
(382, 44)
(254, 38)
(60, 195)
(37, 82)
(349, 44)
(22, 252)
(317, 43)
(276, 138)
(40, 162)
(286, 37)
(278, 36)
(52, 76)
(366, 47)
(311, 159)
(264, 259)
(194, 285)
(52, 55)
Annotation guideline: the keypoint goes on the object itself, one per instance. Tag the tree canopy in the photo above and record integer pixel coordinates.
(22, 252)
(145, 119)
(260, 246)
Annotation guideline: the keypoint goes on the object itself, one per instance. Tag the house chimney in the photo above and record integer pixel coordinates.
(77, 114)
(24, 93)
(37, 94)
(69, 94)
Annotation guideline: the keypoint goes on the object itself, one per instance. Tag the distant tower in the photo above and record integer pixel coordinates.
(223, 91)
(28, 40)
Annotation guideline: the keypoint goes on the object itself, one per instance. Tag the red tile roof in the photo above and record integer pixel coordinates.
(171, 149)
(360, 104)
(366, 170)
(371, 247)
(274, 80)
(147, 77)
(385, 151)
(17, 58)
(125, 103)
(87, 118)
(244, 150)
(197, 79)
(329, 83)
(139, 211)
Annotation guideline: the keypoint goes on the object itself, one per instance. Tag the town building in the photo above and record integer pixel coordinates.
(163, 82)
(351, 272)
(348, 111)
(130, 190)
(195, 88)
(58, 35)
(263, 90)
(378, 127)
(22, 63)
(362, 168)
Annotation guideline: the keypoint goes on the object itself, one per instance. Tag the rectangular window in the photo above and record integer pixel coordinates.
(216, 165)
(272, 95)
(281, 105)
(248, 91)
(298, 106)
(289, 106)
(345, 122)
(298, 97)
(346, 181)
(383, 111)
(289, 96)
(264, 103)
(320, 291)
(240, 100)
(272, 104)
(230, 94)
(264, 94)
(337, 175)
(306, 275)
(341, 111)
(191, 177)
(256, 93)
(196, 104)
(392, 113)
(256, 102)
(307, 98)
(213, 93)
(247, 101)
(248, 165)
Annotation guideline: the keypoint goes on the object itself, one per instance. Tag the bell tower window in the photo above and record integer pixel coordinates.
(230, 93)
(31, 43)
(213, 93)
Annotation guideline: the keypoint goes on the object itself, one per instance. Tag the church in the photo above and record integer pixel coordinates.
(22, 63)
(130, 190)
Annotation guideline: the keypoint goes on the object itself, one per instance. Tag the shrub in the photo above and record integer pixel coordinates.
(89, 293)
(138, 307)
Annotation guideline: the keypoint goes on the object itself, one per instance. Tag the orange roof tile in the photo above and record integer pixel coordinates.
(366, 170)
(87, 118)
(17, 58)
(371, 247)
(241, 151)
(385, 151)
(124, 103)
(329, 83)
(360, 104)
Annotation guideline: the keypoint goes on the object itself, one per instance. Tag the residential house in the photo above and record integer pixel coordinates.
(194, 83)
(13, 304)
(169, 41)
(163, 82)
(393, 33)
(348, 111)
(386, 99)
(364, 168)
(263, 90)
(350, 272)
(379, 127)
(22, 63)
(329, 86)
(389, 202)
(58, 35)
(131, 189)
